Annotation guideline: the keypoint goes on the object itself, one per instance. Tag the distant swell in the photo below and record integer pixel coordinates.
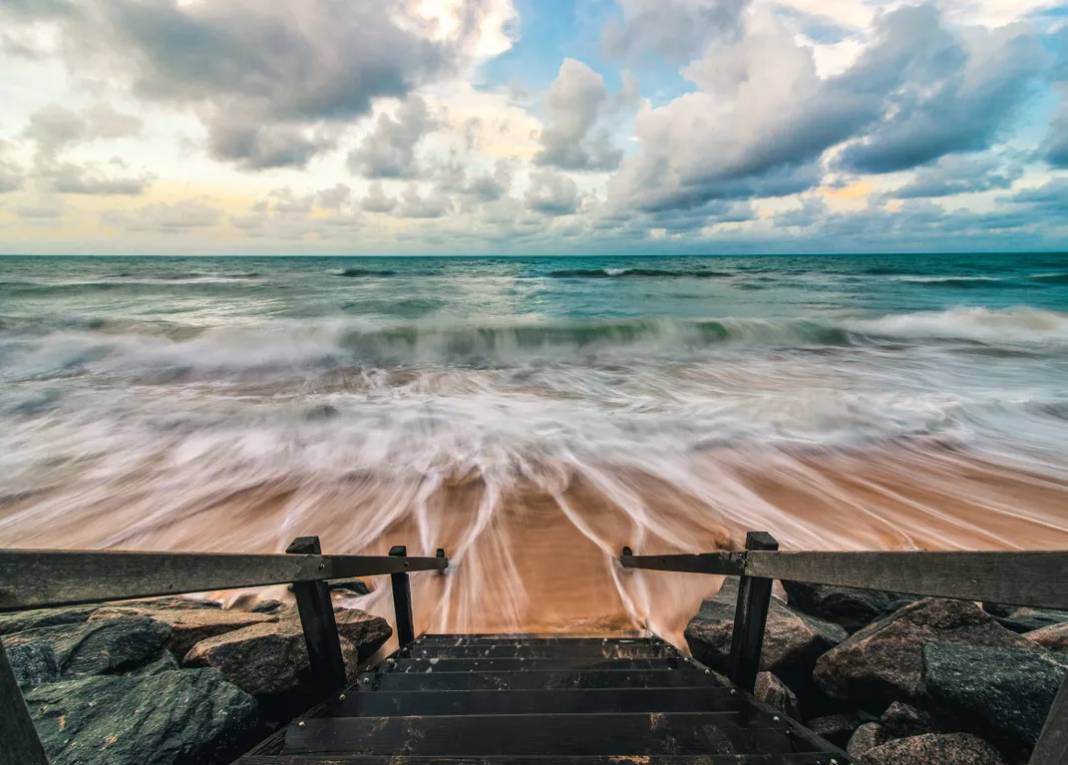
(1051, 278)
(616, 273)
(358, 272)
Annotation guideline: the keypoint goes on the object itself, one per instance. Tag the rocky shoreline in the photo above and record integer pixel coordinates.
(168, 680)
(897, 680)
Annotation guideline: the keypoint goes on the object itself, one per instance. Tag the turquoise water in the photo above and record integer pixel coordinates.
(172, 381)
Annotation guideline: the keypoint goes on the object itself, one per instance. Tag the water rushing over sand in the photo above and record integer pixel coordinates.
(534, 415)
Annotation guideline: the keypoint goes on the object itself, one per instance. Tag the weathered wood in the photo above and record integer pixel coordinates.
(1052, 746)
(42, 578)
(750, 618)
(1036, 579)
(513, 664)
(320, 628)
(19, 744)
(597, 678)
(608, 650)
(811, 758)
(726, 563)
(402, 600)
(549, 734)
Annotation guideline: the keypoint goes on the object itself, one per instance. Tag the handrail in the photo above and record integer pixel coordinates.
(48, 578)
(1037, 579)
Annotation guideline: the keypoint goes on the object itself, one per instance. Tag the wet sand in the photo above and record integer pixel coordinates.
(536, 552)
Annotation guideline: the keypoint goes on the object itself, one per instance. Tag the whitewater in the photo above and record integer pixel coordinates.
(533, 415)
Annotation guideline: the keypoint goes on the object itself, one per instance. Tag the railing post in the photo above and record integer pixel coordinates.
(317, 619)
(1052, 746)
(19, 744)
(750, 617)
(402, 600)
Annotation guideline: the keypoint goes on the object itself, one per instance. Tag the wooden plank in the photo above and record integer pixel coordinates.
(603, 651)
(585, 701)
(727, 563)
(663, 759)
(511, 664)
(429, 681)
(43, 578)
(1036, 579)
(402, 600)
(320, 628)
(1052, 745)
(543, 735)
(750, 618)
(538, 640)
(19, 744)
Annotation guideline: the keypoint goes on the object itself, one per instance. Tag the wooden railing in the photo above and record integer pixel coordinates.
(50, 578)
(1033, 579)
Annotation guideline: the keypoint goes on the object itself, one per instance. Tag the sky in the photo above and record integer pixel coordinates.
(532, 126)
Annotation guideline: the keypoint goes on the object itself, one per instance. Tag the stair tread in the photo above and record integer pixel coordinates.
(807, 758)
(519, 680)
(492, 664)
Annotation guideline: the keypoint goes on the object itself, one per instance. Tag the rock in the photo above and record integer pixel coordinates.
(262, 659)
(350, 587)
(19, 621)
(849, 607)
(1053, 637)
(167, 602)
(33, 664)
(191, 716)
(901, 720)
(941, 748)
(1022, 619)
(1002, 693)
(776, 694)
(836, 728)
(188, 625)
(269, 606)
(365, 631)
(99, 647)
(792, 641)
(867, 736)
(883, 662)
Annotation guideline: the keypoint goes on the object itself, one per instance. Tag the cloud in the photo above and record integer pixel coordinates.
(167, 218)
(68, 178)
(552, 193)
(954, 174)
(1049, 199)
(1055, 146)
(388, 151)
(376, 200)
(412, 205)
(258, 147)
(53, 127)
(670, 29)
(11, 174)
(285, 214)
(572, 140)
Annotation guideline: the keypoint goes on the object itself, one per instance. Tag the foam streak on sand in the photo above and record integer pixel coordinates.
(533, 417)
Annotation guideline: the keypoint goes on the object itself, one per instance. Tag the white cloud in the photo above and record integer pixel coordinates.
(572, 139)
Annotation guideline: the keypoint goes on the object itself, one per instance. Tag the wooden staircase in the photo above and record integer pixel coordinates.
(511, 699)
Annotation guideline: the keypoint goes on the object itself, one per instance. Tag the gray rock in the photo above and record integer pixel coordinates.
(792, 641)
(836, 728)
(867, 736)
(19, 621)
(263, 659)
(883, 662)
(1004, 694)
(191, 716)
(269, 606)
(365, 631)
(901, 720)
(188, 625)
(350, 587)
(99, 647)
(775, 693)
(849, 607)
(33, 664)
(1053, 637)
(1023, 619)
(940, 748)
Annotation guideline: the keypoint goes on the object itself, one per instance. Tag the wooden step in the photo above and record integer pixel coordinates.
(463, 681)
(580, 701)
(811, 758)
(627, 734)
(538, 651)
(513, 664)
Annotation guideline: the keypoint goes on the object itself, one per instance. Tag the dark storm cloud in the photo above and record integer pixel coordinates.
(959, 175)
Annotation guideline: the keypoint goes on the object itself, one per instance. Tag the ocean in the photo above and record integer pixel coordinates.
(532, 415)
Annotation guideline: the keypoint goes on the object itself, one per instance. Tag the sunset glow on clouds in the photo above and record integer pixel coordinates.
(492, 126)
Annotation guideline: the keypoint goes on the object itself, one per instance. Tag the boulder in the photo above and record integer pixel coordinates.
(99, 647)
(901, 720)
(191, 716)
(350, 587)
(19, 621)
(1002, 693)
(269, 606)
(792, 640)
(1023, 619)
(1053, 637)
(836, 728)
(883, 662)
(941, 748)
(776, 694)
(867, 736)
(365, 631)
(33, 664)
(188, 625)
(262, 659)
(849, 607)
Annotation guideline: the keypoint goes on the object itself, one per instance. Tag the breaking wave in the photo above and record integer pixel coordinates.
(615, 273)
